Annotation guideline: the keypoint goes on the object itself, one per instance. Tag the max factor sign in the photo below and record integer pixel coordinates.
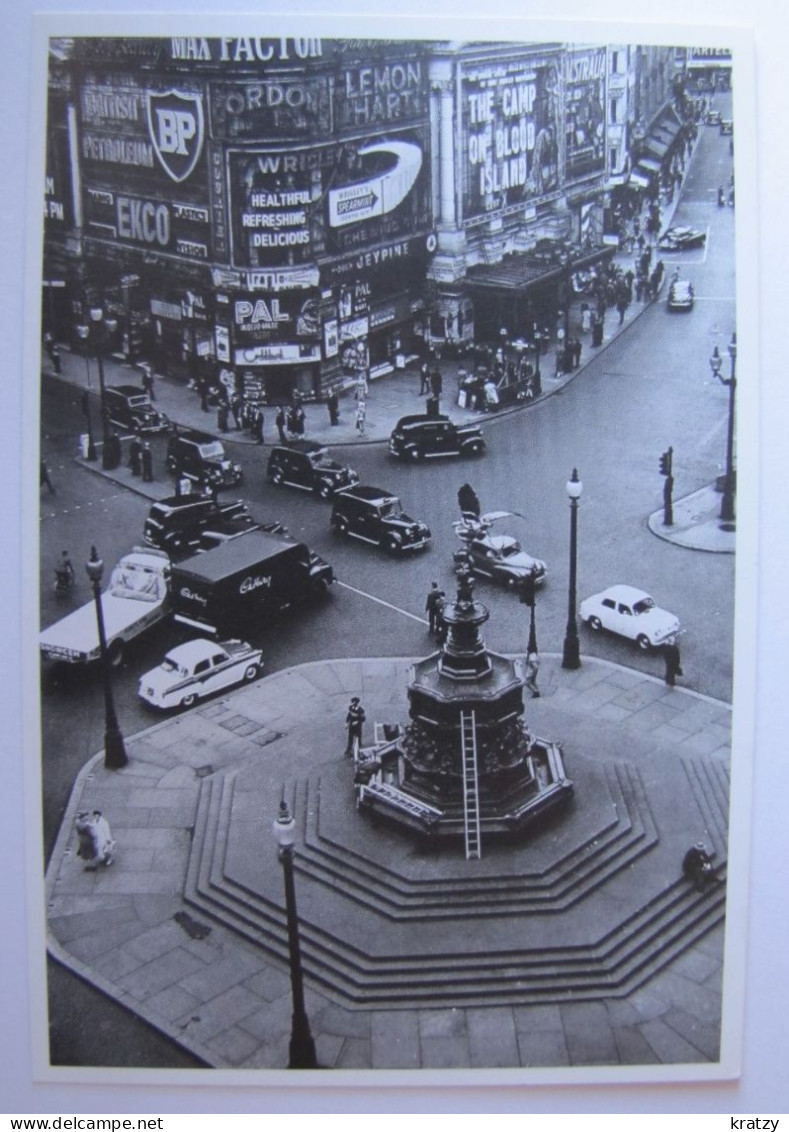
(244, 49)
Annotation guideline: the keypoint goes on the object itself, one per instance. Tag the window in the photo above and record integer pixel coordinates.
(608, 603)
(220, 658)
(202, 666)
(614, 62)
(612, 110)
(625, 609)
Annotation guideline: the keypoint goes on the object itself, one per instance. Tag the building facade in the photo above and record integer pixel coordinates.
(282, 215)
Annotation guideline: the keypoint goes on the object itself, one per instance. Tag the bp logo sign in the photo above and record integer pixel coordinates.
(175, 123)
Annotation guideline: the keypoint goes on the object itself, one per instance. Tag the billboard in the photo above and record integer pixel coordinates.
(291, 205)
(584, 100)
(143, 159)
(510, 122)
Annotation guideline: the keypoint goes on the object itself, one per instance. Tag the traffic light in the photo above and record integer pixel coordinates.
(665, 462)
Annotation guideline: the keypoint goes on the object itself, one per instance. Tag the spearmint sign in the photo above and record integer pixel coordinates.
(379, 194)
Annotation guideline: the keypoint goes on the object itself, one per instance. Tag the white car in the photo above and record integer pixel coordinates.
(632, 613)
(137, 597)
(192, 671)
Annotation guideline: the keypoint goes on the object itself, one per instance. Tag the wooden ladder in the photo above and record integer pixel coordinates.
(468, 741)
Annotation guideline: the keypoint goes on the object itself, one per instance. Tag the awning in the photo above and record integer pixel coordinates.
(656, 146)
(519, 272)
(648, 164)
(638, 179)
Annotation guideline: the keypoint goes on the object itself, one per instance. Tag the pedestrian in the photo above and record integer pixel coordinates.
(44, 477)
(436, 382)
(424, 375)
(361, 415)
(698, 868)
(96, 843)
(298, 420)
(221, 416)
(353, 721)
(111, 456)
(279, 421)
(532, 668)
(147, 379)
(435, 600)
(333, 405)
(468, 502)
(236, 408)
(54, 354)
(146, 462)
(135, 455)
(259, 421)
(432, 406)
(360, 392)
(202, 388)
(65, 574)
(673, 666)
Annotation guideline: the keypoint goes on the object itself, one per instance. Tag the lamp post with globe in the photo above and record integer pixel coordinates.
(302, 1044)
(571, 656)
(716, 362)
(115, 756)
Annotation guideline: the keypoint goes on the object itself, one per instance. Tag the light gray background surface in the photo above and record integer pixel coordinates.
(764, 1086)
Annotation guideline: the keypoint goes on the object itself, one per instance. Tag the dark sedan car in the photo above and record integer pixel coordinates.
(306, 464)
(680, 296)
(681, 239)
(128, 407)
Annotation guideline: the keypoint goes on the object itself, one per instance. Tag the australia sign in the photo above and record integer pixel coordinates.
(175, 124)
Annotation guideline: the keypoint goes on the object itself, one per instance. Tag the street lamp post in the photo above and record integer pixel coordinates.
(115, 756)
(529, 597)
(101, 327)
(571, 657)
(716, 361)
(302, 1044)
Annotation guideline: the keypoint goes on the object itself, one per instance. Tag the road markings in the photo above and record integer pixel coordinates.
(380, 601)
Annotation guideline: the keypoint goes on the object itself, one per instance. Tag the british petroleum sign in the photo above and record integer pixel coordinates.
(177, 130)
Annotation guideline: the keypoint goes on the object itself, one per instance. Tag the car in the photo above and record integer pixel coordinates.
(130, 408)
(632, 613)
(680, 296)
(306, 464)
(376, 516)
(136, 599)
(497, 556)
(200, 457)
(177, 522)
(713, 117)
(210, 539)
(681, 239)
(198, 668)
(726, 127)
(418, 437)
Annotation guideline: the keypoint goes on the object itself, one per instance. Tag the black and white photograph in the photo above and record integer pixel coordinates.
(392, 389)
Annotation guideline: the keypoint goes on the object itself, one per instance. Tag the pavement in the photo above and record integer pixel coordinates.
(129, 930)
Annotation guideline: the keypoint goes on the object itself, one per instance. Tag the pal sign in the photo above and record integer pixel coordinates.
(175, 124)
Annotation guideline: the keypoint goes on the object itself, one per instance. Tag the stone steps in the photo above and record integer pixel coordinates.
(556, 888)
(433, 973)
